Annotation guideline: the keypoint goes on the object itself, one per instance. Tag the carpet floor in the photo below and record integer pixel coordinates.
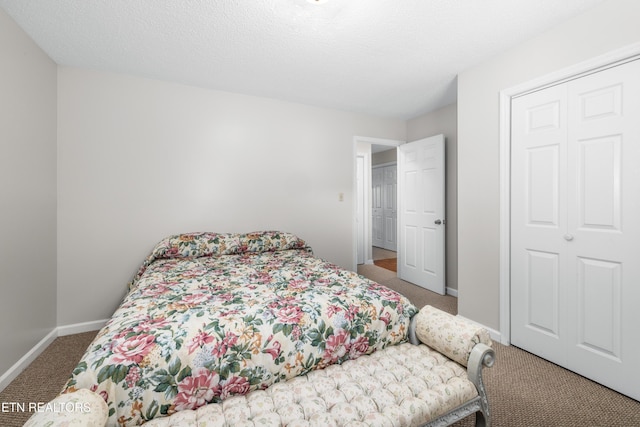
(523, 389)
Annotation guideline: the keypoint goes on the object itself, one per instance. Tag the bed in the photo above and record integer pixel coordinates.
(214, 315)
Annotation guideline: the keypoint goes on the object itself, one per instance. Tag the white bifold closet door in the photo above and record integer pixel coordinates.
(377, 207)
(384, 211)
(575, 225)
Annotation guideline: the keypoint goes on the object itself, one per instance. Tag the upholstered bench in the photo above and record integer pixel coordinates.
(412, 384)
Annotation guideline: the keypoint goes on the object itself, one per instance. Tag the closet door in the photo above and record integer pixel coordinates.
(575, 273)
(539, 223)
(390, 213)
(603, 250)
(377, 221)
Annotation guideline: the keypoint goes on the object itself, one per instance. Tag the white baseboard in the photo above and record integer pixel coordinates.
(495, 335)
(60, 331)
(452, 292)
(78, 328)
(26, 360)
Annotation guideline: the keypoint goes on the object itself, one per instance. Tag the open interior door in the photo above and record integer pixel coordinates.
(421, 203)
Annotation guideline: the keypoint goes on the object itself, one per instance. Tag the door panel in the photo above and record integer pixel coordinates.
(599, 290)
(542, 283)
(599, 168)
(538, 219)
(542, 190)
(603, 210)
(421, 220)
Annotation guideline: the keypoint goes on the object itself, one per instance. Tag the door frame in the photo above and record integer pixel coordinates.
(367, 196)
(599, 63)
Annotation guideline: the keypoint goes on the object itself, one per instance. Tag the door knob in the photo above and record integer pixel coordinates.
(568, 237)
(437, 221)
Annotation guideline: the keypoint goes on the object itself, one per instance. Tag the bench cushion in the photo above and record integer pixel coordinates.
(400, 385)
(451, 335)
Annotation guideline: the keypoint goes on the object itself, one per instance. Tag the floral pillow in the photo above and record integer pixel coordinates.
(196, 245)
(268, 241)
(215, 244)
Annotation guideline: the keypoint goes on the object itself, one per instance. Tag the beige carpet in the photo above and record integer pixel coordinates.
(524, 390)
(417, 295)
(45, 377)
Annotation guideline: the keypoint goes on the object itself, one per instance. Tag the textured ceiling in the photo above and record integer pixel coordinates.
(393, 58)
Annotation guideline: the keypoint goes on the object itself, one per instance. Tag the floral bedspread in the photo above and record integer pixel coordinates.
(213, 315)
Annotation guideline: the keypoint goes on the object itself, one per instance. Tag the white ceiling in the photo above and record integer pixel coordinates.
(392, 58)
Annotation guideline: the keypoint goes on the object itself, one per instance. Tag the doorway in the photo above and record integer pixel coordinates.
(420, 197)
(365, 148)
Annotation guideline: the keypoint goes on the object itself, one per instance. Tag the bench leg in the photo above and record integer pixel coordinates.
(483, 418)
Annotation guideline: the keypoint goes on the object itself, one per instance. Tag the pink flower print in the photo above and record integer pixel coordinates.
(322, 282)
(194, 299)
(133, 376)
(358, 347)
(274, 351)
(224, 297)
(386, 318)
(228, 313)
(133, 349)
(263, 277)
(155, 291)
(197, 390)
(120, 335)
(220, 349)
(171, 252)
(387, 294)
(199, 340)
(102, 394)
(289, 314)
(298, 284)
(296, 333)
(190, 274)
(333, 309)
(337, 346)
(148, 325)
(351, 312)
(235, 386)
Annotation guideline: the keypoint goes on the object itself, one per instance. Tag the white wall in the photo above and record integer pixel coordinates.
(444, 121)
(27, 193)
(141, 159)
(609, 26)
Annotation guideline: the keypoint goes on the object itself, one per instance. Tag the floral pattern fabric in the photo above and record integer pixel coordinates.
(210, 316)
(404, 385)
(451, 335)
